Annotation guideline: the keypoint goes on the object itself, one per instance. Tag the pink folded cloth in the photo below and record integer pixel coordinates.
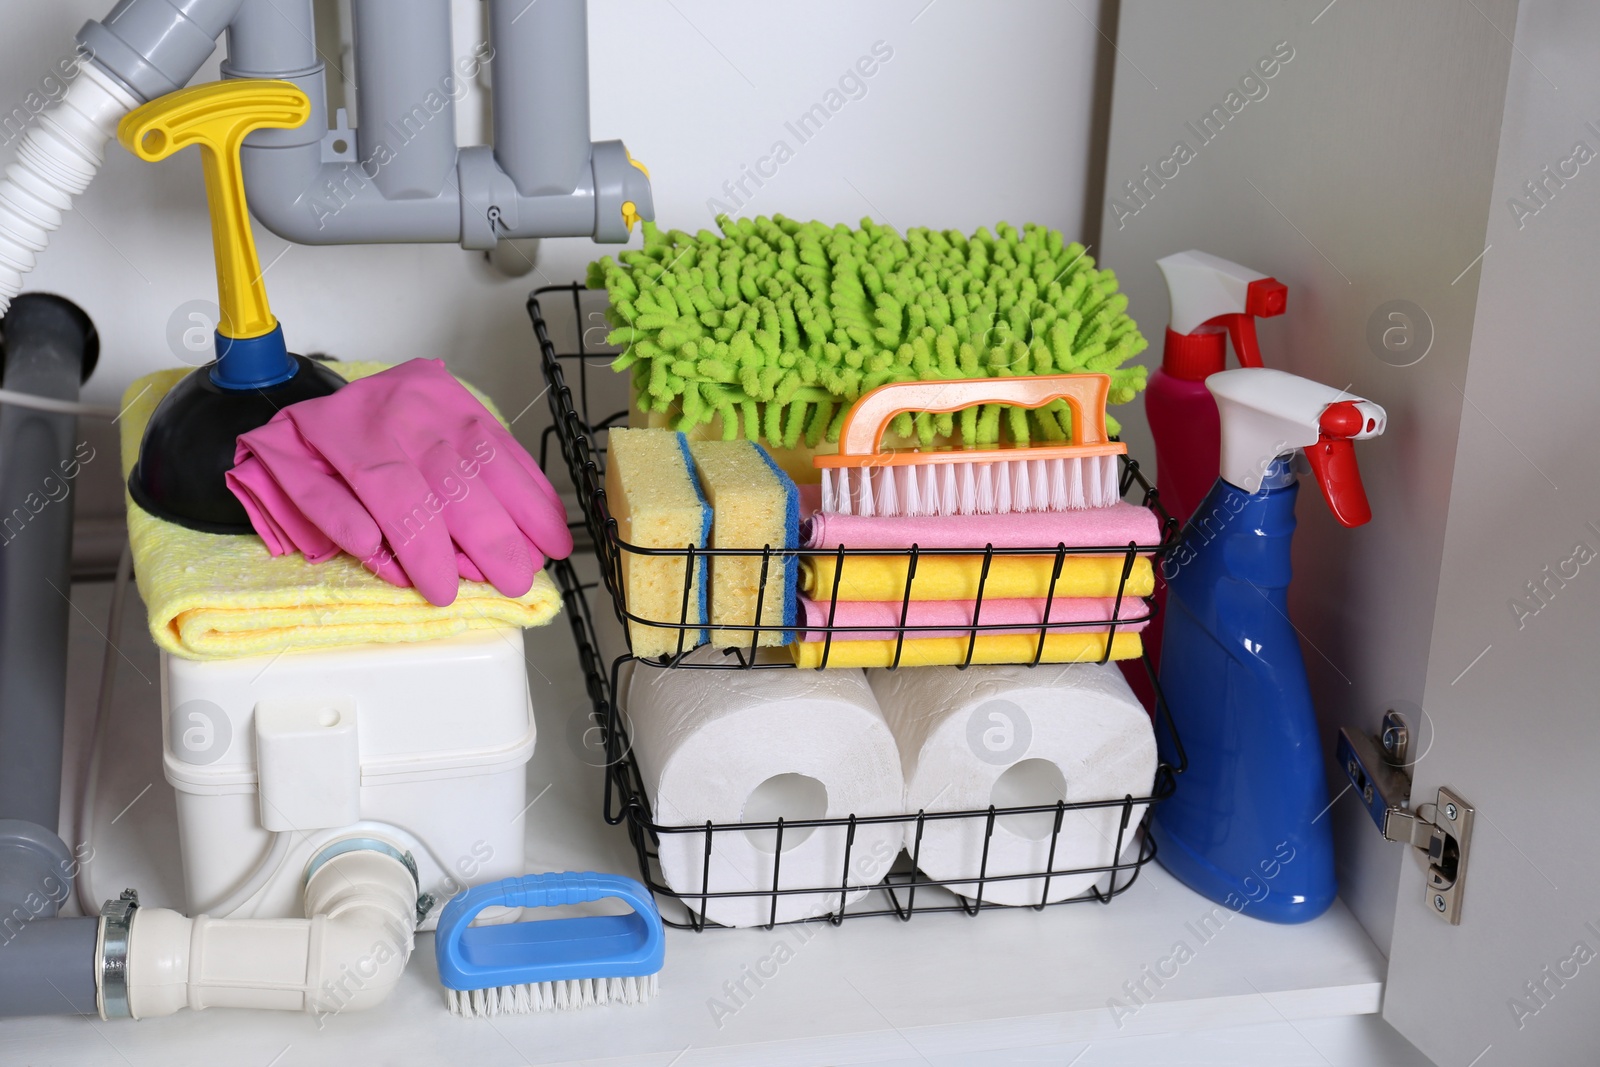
(957, 615)
(1116, 525)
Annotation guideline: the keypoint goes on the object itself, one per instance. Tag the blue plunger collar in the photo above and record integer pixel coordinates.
(245, 363)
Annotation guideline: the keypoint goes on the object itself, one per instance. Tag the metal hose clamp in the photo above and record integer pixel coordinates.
(116, 922)
(425, 901)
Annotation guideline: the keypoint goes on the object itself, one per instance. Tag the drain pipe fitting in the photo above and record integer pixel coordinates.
(361, 896)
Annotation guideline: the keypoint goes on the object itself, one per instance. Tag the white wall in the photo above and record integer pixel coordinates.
(982, 114)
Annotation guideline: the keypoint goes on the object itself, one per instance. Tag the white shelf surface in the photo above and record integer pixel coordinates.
(942, 989)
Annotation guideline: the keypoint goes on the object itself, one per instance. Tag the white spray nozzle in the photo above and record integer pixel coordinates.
(1268, 413)
(1208, 290)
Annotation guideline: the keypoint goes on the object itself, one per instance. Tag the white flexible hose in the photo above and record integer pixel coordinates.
(89, 785)
(59, 157)
(269, 865)
(88, 900)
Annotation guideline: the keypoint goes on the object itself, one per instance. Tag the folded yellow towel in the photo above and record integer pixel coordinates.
(957, 577)
(213, 596)
(989, 648)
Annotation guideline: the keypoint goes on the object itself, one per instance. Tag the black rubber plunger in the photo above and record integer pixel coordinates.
(189, 444)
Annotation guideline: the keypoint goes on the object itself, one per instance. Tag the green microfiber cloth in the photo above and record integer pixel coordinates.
(778, 326)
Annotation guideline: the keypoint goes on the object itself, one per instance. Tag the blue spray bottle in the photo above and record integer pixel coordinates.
(1244, 827)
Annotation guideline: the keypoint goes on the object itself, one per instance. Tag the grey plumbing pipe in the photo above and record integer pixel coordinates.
(155, 46)
(298, 190)
(46, 343)
(406, 181)
(545, 178)
(541, 56)
(46, 963)
(406, 107)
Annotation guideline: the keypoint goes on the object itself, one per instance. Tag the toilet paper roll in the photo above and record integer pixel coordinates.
(1014, 737)
(752, 746)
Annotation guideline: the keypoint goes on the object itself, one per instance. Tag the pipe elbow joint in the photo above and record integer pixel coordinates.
(364, 926)
(282, 183)
(347, 956)
(361, 955)
(303, 199)
(612, 195)
(155, 46)
(622, 192)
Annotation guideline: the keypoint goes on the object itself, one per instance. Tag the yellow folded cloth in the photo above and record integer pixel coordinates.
(989, 648)
(957, 577)
(214, 596)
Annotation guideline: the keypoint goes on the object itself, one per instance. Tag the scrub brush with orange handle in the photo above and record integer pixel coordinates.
(863, 479)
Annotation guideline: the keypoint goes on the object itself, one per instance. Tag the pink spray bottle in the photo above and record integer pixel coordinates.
(1211, 299)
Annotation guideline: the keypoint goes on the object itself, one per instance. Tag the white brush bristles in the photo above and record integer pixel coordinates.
(985, 493)
(997, 487)
(949, 495)
(1091, 487)
(968, 480)
(888, 497)
(1021, 486)
(1057, 473)
(911, 498)
(570, 995)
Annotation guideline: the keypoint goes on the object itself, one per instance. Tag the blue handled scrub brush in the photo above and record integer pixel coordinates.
(550, 964)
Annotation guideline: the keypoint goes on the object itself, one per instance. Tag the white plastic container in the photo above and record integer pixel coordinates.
(424, 746)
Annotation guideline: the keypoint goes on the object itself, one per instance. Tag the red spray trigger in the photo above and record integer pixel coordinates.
(1333, 461)
(1264, 298)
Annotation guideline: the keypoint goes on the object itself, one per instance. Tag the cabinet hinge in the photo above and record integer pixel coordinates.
(1442, 837)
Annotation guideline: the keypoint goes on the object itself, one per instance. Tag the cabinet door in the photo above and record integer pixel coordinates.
(1360, 174)
(1513, 684)
(1384, 158)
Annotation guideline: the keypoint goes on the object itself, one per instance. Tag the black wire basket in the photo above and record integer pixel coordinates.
(905, 891)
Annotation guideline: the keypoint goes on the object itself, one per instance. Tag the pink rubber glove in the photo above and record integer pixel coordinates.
(279, 521)
(407, 469)
(277, 446)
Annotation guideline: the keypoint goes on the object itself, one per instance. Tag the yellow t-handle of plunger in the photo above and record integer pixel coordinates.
(218, 117)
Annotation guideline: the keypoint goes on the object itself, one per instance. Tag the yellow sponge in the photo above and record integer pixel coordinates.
(754, 505)
(652, 493)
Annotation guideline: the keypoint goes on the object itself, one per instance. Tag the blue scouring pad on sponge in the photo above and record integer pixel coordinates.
(755, 505)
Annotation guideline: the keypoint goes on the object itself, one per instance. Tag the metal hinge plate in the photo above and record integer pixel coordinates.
(1378, 772)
